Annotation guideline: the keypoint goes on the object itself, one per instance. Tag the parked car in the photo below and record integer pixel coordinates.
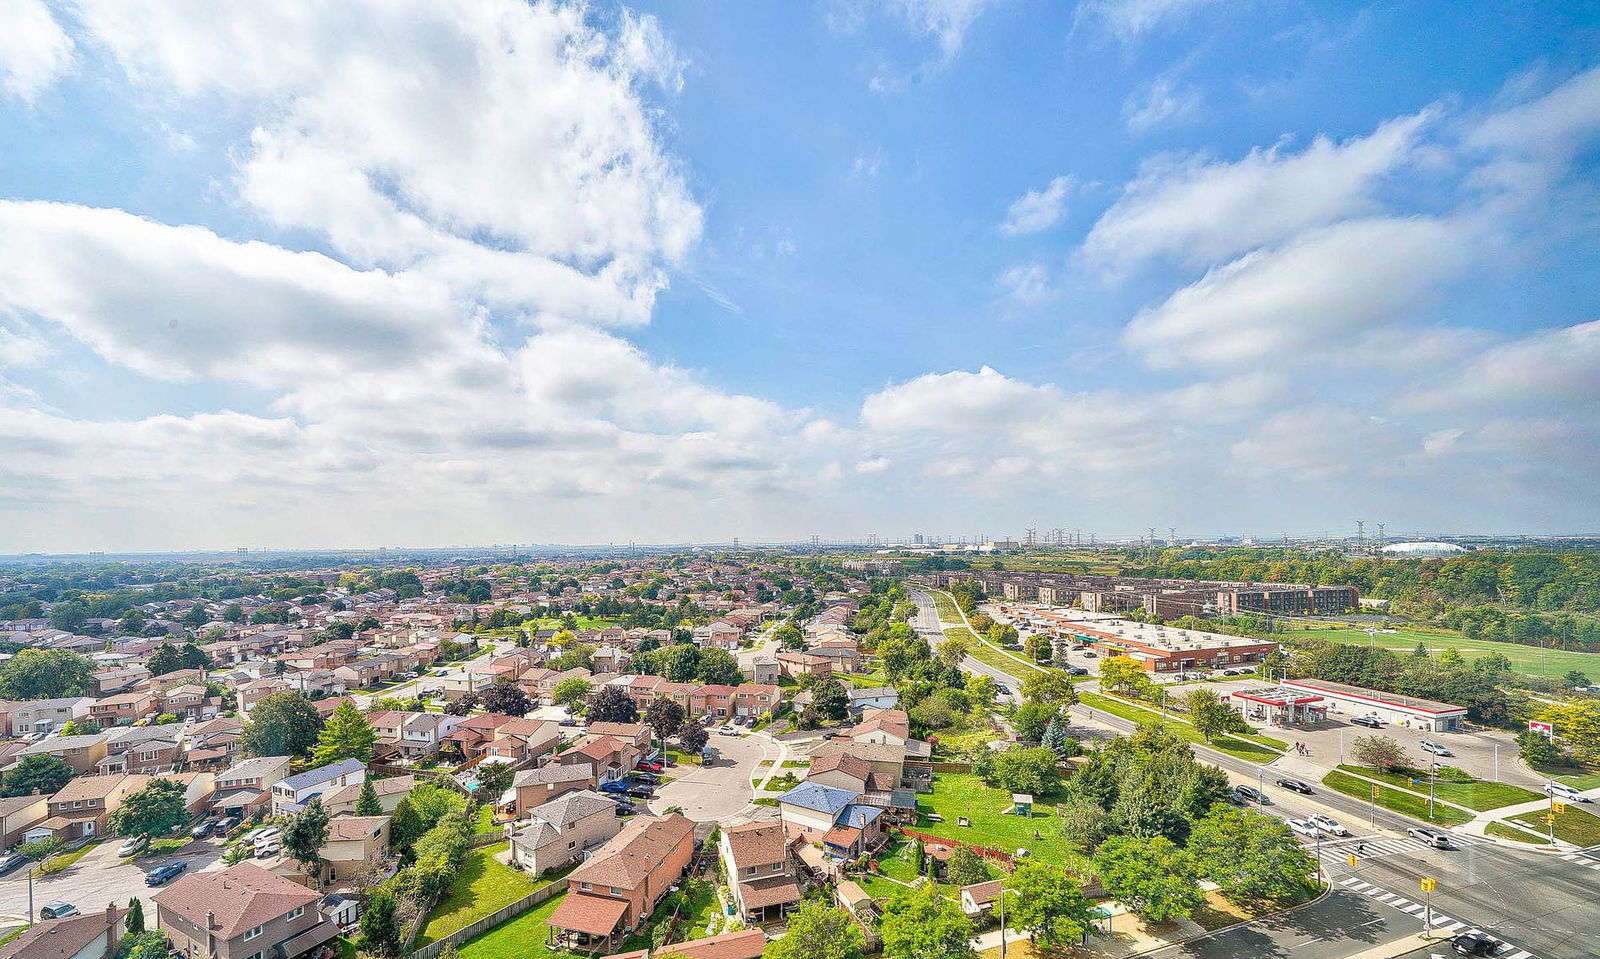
(227, 824)
(1371, 722)
(1076, 671)
(1432, 837)
(651, 765)
(615, 786)
(1564, 792)
(1438, 749)
(1329, 825)
(1250, 795)
(1473, 944)
(161, 874)
(640, 791)
(1301, 826)
(640, 776)
(58, 910)
(205, 829)
(1294, 784)
(8, 863)
(1002, 689)
(133, 846)
(1091, 654)
(266, 840)
(626, 809)
(568, 722)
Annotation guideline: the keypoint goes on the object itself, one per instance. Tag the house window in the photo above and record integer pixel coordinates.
(255, 955)
(585, 886)
(252, 933)
(296, 913)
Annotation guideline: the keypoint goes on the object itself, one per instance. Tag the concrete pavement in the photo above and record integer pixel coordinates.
(100, 877)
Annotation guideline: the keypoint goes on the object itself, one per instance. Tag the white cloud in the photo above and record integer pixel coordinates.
(1200, 210)
(1310, 296)
(1320, 441)
(945, 20)
(34, 51)
(1026, 284)
(1038, 210)
(1161, 101)
(867, 166)
(1555, 368)
(1130, 19)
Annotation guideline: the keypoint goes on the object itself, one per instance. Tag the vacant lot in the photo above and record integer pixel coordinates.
(1524, 659)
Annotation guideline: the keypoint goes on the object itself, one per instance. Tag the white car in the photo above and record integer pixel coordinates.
(1438, 749)
(1564, 792)
(1301, 826)
(1329, 825)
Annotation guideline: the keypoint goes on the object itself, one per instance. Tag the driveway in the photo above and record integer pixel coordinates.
(100, 877)
(714, 793)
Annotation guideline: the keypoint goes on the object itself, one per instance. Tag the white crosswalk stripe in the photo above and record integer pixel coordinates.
(1442, 922)
(1580, 859)
(1375, 845)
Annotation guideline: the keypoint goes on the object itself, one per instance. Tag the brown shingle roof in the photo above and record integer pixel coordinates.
(60, 938)
(757, 844)
(629, 856)
(596, 915)
(353, 827)
(242, 897)
(745, 944)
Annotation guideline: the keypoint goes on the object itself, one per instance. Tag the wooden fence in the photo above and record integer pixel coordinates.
(996, 855)
(504, 914)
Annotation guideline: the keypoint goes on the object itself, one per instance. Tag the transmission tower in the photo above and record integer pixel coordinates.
(1031, 534)
(1172, 536)
(1361, 535)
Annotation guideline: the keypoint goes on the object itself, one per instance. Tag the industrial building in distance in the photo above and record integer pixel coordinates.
(1167, 598)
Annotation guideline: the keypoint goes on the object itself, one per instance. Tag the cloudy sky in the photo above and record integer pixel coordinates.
(485, 271)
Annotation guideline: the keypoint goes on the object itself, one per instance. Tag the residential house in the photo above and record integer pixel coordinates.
(247, 786)
(214, 744)
(636, 733)
(712, 700)
(873, 697)
(618, 886)
(837, 818)
(188, 702)
(116, 679)
(753, 700)
(242, 912)
(410, 736)
(563, 830)
(291, 794)
(389, 792)
(761, 870)
(523, 741)
(355, 844)
(82, 753)
(761, 668)
(795, 665)
(531, 788)
(84, 806)
(473, 734)
(744, 944)
(43, 715)
(610, 757)
(978, 898)
(18, 814)
(94, 935)
(152, 750)
(719, 635)
(123, 709)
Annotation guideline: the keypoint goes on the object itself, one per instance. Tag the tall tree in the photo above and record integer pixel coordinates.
(493, 780)
(380, 930)
(507, 698)
(367, 802)
(134, 921)
(664, 716)
(693, 737)
(1153, 878)
(156, 809)
(612, 704)
(571, 692)
(718, 667)
(1249, 855)
(462, 706)
(1049, 689)
(164, 660)
(1210, 715)
(1123, 674)
(790, 637)
(965, 867)
(1049, 904)
(46, 674)
(346, 735)
(829, 700)
(922, 923)
(282, 724)
(304, 835)
(1378, 752)
(36, 774)
(818, 931)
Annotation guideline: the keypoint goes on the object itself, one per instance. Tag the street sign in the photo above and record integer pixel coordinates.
(1549, 729)
(1429, 884)
(1352, 860)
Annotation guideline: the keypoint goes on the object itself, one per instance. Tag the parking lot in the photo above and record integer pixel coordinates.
(100, 877)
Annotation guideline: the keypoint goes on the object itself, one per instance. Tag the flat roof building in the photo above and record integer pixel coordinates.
(1425, 714)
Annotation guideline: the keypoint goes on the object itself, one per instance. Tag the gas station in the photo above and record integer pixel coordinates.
(1278, 706)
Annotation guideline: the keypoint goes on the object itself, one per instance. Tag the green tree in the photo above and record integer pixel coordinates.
(36, 774)
(1210, 715)
(1031, 720)
(507, 698)
(1084, 823)
(233, 613)
(494, 779)
(1577, 725)
(571, 692)
(954, 648)
(1049, 904)
(1022, 770)
(1249, 855)
(1123, 674)
(612, 704)
(923, 923)
(304, 835)
(157, 809)
(346, 735)
(46, 674)
(194, 657)
(135, 919)
(829, 700)
(693, 737)
(719, 667)
(1037, 647)
(282, 724)
(965, 867)
(818, 931)
(367, 802)
(164, 660)
(981, 690)
(1152, 877)
(380, 930)
(1378, 752)
(1048, 689)
(196, 617)
(664, 717)
(790, 637)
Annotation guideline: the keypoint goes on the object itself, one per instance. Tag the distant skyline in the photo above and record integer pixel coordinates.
(297, 274)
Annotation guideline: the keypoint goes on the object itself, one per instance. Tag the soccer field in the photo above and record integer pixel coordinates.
(1524, 659)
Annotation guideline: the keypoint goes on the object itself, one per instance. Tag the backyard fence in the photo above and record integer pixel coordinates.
(504, 914)
(1003, 858)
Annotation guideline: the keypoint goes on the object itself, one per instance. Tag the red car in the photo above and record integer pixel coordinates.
(651, 765)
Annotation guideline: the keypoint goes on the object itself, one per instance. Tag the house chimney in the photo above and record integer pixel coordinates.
(111, 928)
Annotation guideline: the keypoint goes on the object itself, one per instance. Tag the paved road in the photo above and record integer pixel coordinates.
(100, 877)
(1341, 925)
(717, 792)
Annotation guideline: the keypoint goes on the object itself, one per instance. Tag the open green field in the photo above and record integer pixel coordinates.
(1393, 799)
(480, 887)
(962, 794)
(1524, 659)
(1454, 786)
(522, 938)
(1574, 826)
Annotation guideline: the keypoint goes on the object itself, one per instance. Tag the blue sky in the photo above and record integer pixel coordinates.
(425, 274)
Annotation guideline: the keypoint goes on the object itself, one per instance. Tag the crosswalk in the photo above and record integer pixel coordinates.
(1587, 858)
(1376, 846)
(1443, 924)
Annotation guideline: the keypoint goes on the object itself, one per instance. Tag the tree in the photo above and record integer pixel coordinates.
(1084, 823)
(36, 774)
(194, 657)
(718, 667)
(304, 835)
(282, 724)
(347, 735)
(1056, 739)
(571, 692)
(1031, 719)
(790, 637)
(46, 674)
(922, 923)
(380, 932)
(1049, 904)
(1001, 634)
(1576, 678)
(1123, 674)
(1048, 689)
(1249, 855)
(965, 867)
(367, 802)
(1538, 750)
(462, 706)
(73, 727)
(1378, 752)
(1210, 715)
(829, 700)
(1037, 647)
(954, 649)
(1577, 725)
(693, 737)
(981, 690)
(1022, 770)
(134, 921)
(164, 660)
(493, 780)
(1152, 877)
(612, 704)
(664, 717)
(507, 698)
(157, 809)
(817, 931)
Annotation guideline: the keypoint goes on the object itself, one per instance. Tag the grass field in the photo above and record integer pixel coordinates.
(1503, 831)
(1524, 659)
(961, 794)
(1578, 828)
(1456, 787)
(522, 938)
(480, 887)
(1393, 799)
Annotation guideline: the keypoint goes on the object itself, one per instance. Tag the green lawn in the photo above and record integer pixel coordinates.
(1454, 786)
(1503, 831)
(982, 650)
(484, 822)
(65, 860)
(522, 938)
(1250, 750)
(480, 887)
(1524, 659)
(1578, 828)
(1393, 799)
(1581, 781)
(962, 794)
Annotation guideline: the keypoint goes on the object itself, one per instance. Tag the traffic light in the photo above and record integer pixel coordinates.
(1429, 884)
(1353, 860)
(1558, 806)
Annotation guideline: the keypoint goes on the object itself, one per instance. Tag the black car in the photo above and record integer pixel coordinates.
(1371, 722)
(8, 863)
(1295, 785)
(1249, 795)
(1473, 944)
(640, 792)
(626, 809)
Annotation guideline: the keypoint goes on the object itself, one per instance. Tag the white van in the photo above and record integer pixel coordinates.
(1565, 792)
(270, 841)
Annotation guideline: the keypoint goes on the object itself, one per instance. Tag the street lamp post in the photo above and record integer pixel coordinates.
(1003, 891)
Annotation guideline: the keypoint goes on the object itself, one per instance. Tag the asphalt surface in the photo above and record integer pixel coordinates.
(100, 877)
(717, 792)
(1341, 925)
